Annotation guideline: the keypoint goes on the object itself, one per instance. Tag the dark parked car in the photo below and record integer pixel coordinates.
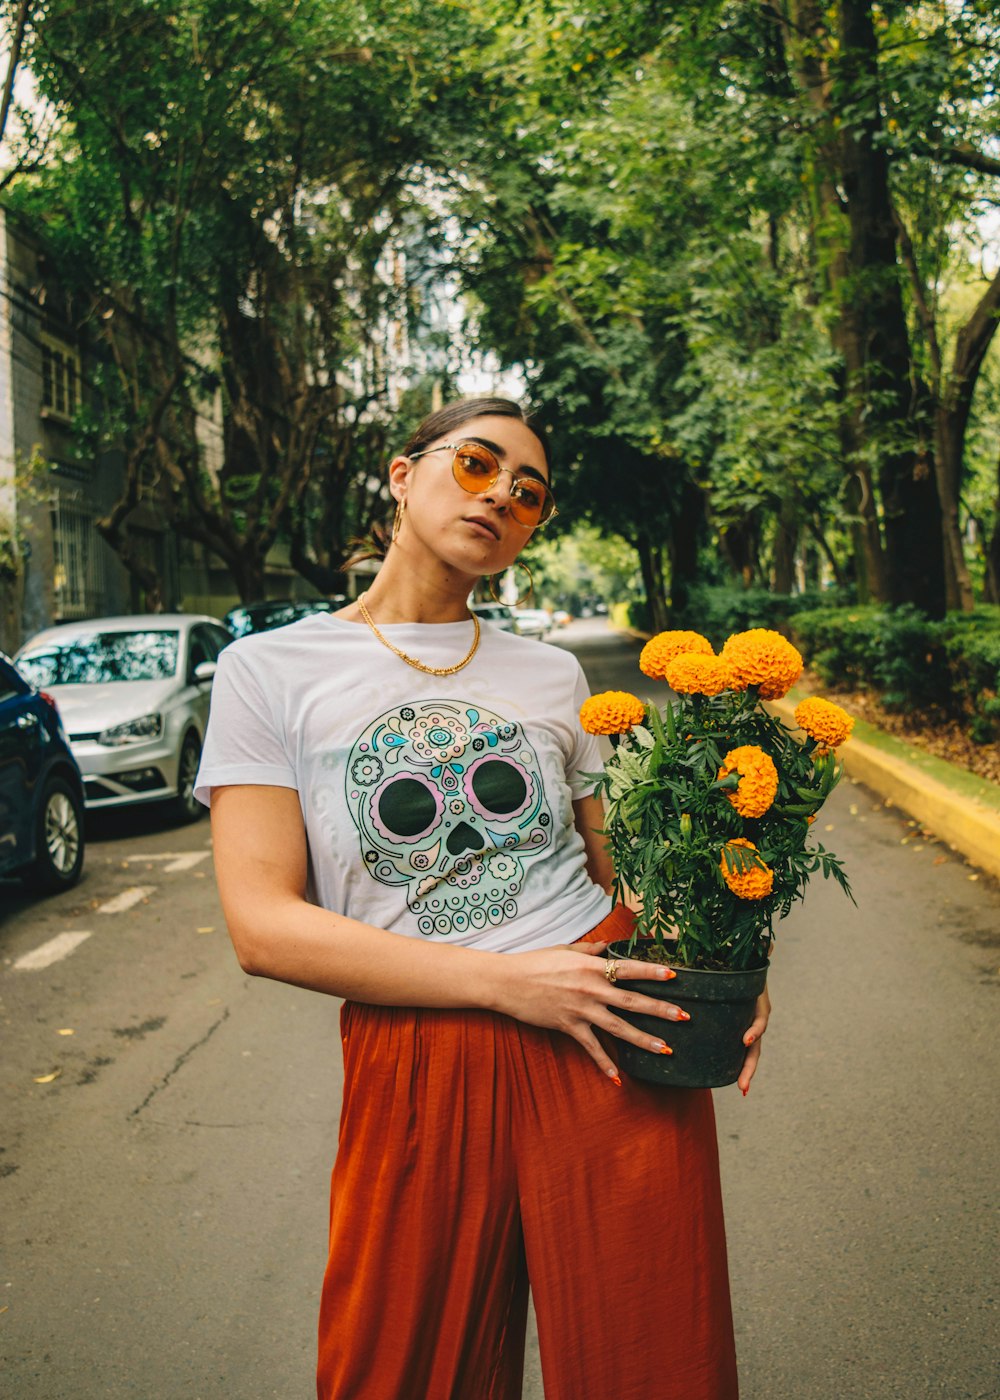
(41, 791)
(276, 612)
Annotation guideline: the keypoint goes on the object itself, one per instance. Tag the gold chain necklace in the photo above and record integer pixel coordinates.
(412, 660)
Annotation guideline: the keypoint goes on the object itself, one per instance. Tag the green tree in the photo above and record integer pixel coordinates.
(225, 218)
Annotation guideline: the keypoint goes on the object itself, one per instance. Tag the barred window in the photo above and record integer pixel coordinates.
(60, 377)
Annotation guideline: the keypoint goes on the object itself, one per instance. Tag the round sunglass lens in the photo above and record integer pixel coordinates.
(475, 468)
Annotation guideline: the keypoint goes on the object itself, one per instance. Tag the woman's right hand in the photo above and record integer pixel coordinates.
(566, 989)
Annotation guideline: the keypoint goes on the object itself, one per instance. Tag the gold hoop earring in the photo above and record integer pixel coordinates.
(397, 519)
(524, 596)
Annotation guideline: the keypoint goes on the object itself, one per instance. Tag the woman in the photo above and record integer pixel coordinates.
(399, 819)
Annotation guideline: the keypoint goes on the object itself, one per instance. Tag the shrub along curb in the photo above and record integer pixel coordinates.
(960, 808)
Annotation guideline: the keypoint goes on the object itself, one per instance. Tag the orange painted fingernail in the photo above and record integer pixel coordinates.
(615, 1079)
(664, 1049)
(746, 1091)
(749, 1040)
(668, 974)
(683, 1016)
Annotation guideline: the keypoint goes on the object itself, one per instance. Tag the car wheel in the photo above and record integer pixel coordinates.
(185, 807)
(58, 840)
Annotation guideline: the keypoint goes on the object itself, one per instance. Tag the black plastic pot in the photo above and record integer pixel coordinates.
(708, 1049)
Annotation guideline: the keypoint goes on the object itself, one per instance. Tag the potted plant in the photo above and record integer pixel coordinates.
(709, 804)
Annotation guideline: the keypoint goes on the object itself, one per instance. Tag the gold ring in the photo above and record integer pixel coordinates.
(611, 972)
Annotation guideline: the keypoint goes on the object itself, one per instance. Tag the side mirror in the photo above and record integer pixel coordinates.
(205, 670)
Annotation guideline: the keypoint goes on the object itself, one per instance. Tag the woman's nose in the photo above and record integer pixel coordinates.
(497, 493)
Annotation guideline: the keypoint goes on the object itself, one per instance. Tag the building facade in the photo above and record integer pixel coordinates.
(54, 565)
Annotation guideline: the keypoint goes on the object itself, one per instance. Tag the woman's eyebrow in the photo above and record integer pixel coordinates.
(500, 452)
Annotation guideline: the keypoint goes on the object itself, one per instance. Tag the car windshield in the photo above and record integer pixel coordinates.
(265, 617)
(103, 656)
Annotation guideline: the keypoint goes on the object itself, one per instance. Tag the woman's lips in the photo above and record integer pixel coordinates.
(483, 526)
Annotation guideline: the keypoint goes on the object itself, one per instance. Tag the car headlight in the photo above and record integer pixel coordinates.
(133, 731)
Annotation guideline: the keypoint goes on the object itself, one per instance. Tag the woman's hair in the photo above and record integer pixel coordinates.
(443, 421)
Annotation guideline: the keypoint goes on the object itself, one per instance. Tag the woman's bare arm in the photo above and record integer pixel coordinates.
(588, 814)
(261, 865)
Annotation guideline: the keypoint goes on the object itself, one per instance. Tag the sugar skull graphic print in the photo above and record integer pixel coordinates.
(448, 801)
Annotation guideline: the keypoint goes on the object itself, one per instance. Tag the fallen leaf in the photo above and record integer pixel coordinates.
(209, 928)
(47, 1078)
(854, 809)
(973, 877)
(829, 827)
(215, 1001)
(940, 860)
(65, 1030)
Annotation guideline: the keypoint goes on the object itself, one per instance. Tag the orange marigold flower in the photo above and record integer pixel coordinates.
(693, 673)
(823, 720)
(758, 779)
(765, 659)
(756, 882)
(611, 712)
(661, 650)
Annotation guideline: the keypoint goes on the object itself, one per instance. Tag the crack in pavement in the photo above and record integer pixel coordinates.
(178, 1064)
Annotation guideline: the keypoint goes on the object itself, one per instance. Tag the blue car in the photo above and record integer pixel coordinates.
(41, 790)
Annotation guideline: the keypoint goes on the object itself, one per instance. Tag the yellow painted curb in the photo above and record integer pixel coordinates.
(969, 829)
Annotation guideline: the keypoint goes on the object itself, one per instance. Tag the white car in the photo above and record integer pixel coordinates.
(533, 622)
(498, 613)
(133, 693)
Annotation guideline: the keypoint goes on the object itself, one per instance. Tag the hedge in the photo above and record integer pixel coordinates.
(716, 612)
(909, 661)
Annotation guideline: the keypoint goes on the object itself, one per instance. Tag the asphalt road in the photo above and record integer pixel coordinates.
(163, 1197)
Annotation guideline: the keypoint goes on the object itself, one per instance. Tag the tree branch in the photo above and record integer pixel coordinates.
(17, 42)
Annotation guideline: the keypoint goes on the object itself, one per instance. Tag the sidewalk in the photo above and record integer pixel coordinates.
(959, 808)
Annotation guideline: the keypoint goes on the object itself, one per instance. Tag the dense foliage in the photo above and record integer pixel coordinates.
(910, 661)
(742, 257)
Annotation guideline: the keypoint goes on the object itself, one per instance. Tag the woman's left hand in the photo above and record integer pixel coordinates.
(752, 1039)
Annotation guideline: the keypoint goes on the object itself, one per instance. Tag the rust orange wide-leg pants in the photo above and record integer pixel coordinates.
(477, 1152)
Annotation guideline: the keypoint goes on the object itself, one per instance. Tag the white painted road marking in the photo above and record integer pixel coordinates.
(57, 948)
(126, 899)
(184, 860)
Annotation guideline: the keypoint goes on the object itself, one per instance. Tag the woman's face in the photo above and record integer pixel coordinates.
(473, 532)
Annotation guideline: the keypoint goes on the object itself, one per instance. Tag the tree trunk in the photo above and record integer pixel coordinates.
(687, 530)
(246, 564)
(740, 547)
(323, 576)
(809, 43)
(876, 335)
(951, 423)
(651, 565)
(949, 451)
(992, 590)
(836, 567)
(145, 574)
(882, 407)
(786, 542)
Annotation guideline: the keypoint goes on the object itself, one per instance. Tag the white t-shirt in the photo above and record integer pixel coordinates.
(434, 806)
